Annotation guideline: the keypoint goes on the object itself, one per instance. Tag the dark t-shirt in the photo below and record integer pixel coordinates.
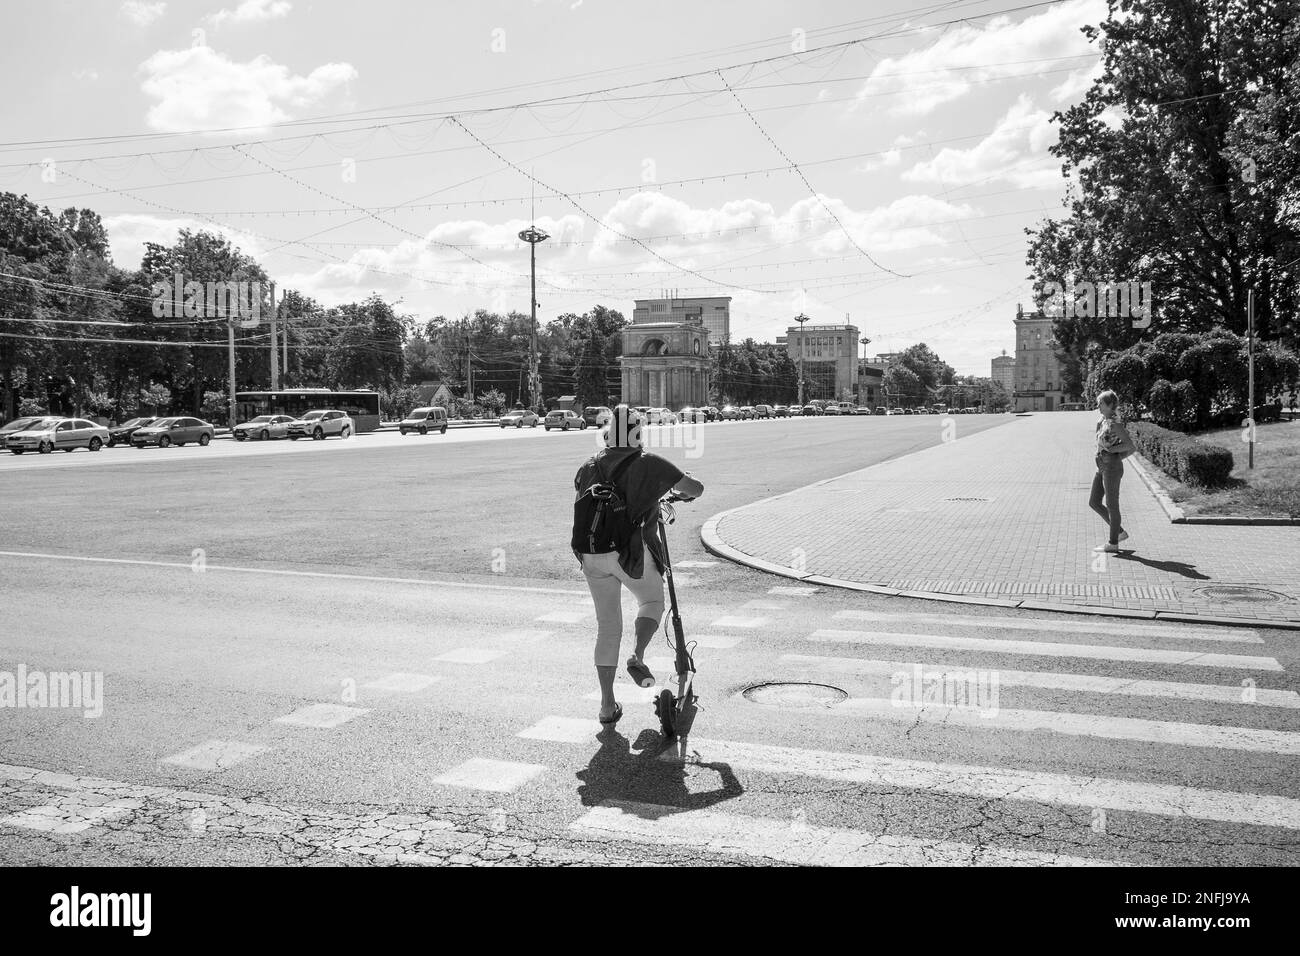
(642, 485)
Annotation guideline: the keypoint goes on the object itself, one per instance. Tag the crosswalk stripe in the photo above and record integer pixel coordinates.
(497, 776)
(1046, 649)
(995, 783)
(796, 842)
(731, 620)
(1109, 628)
(1004, 783)
(1086, 683)
(1282, 742)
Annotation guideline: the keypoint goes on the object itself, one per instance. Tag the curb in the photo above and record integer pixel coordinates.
(714, 544)
(1178, 516)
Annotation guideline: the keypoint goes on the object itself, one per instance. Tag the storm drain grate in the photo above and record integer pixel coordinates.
(1241, 594)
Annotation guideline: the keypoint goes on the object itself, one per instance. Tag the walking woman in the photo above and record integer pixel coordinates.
(639, 479)
(1113, 446)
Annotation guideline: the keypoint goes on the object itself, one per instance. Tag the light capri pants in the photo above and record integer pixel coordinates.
(606, 580)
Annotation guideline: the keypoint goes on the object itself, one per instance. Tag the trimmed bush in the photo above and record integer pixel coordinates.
(1191, 461)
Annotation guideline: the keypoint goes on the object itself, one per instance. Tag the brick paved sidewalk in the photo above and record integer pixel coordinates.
(1002, 517)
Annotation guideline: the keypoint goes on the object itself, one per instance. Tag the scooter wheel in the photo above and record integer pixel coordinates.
(666, 708)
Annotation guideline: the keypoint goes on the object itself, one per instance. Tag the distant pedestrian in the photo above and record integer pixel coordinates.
(1113, 445)
(620, 548)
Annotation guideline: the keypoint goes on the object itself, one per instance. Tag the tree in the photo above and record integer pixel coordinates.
(493, 401)
(1165, 149)
(156, 397)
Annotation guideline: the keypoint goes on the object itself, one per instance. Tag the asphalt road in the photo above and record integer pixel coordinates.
(417, 597)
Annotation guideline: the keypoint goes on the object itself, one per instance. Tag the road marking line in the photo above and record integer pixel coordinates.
(68, 814)
(1031, 786)
(622, 692)
(792, 591)
(1111, 629)
(322, 716)
(403, 683)
(470, 655)
(563, 617)
(731, 620)
(716, 641)
(215, 755)
(1085, 683)
(762, 606)
(296, 574)
(1006, 784)
(796, 842)
(1283, 742)
(1045, 649)
(498, 776)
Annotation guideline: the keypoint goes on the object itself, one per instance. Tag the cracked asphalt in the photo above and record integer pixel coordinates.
(423, 593)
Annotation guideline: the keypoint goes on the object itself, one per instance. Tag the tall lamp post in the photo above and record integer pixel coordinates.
(532, 235)
(865, 342)
(801, 319)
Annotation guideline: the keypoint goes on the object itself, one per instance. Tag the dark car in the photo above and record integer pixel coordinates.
(811, 409)
(173, 431)
(121, 434)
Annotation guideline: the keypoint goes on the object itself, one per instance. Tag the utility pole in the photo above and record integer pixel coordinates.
(230, 337)
(284, 344)
(1250, 386)
(801, 319)
(532, 235)
(275, 365)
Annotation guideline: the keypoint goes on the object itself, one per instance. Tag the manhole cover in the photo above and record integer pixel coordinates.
(795, 695)
(967, 499)
(1241, 594)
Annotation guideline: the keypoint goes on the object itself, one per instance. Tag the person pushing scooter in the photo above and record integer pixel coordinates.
(616, 541)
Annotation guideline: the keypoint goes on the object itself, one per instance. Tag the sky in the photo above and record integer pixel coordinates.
(877, 161)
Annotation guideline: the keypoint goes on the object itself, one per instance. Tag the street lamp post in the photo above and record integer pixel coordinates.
(801, 319)
(532, 235)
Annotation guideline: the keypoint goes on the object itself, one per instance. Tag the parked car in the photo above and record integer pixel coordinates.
(432, 418)
(831, 408)
(811, 409)
(780, 411)
(746, 412)
(519, 417)
(907, 411)
(320, 423)
(121, 434)
(692, 415)
(795, 411)
(46, 434)
(712, 413)
(881, 410)
(729, 413)
(19, 425)
(564, 419)
(660, 416)
(597, 416)
(862, 410)
(763, 411)
(263, 428)
(173, 431)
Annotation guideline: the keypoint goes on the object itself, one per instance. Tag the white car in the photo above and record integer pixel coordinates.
(564, 419)
(47, 434)
(320, 423)
(660, 416)
(263, 428)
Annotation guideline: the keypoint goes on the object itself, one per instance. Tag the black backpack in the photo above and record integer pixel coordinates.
(601, 522)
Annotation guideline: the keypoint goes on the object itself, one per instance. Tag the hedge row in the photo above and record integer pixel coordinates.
(1191, 461)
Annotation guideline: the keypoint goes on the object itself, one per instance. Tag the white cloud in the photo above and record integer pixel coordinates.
(1076, 83)
(127, 234)
(252, 11)
(891, 157)
(87, 75)
(1014, 152)
(999, 48)
(199, 89)
(141, 13)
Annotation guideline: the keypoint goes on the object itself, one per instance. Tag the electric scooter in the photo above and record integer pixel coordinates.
(676, 712)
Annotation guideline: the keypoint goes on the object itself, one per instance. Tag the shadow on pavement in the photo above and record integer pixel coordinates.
(1173, 567)
(616, 773)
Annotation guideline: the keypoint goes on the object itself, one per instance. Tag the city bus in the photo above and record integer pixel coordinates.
(361, 404)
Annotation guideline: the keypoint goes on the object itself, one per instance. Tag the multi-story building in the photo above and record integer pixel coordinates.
(714, 313)
(1037, 372)
(1004, 371)
(830, 359)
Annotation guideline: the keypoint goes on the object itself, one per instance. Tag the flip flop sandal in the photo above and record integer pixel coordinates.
(640, 674)
(614, 717)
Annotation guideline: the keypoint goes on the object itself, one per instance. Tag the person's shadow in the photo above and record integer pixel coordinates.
(1173, 567)
(616, 773)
